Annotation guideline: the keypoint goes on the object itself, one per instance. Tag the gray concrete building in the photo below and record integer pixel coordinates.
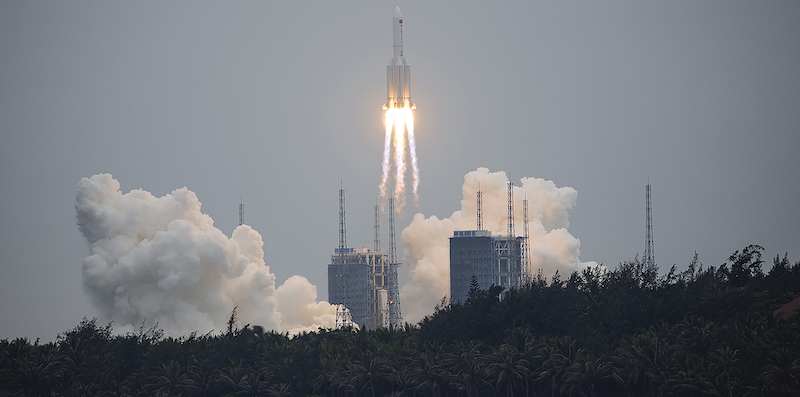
(493, 260)
(366, 283)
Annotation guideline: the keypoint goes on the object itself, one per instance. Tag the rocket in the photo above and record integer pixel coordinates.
(398, 73)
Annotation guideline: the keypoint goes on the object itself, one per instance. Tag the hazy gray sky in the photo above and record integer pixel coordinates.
(278, 102)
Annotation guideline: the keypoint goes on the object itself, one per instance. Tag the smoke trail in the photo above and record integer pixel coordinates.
(409, 119)
(426, 242)
(161, 259)
(400, 161)
(387, 147)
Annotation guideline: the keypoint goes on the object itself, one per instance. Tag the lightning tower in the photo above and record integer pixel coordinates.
(526, 248)
(649, 255)
(480, 209)
(241, 211)
(395, 316)
(342, 315)
(377, 229)
(511, 234)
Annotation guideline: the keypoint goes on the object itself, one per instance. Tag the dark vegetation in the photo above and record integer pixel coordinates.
(626, 332)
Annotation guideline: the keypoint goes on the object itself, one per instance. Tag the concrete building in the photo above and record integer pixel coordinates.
(366, 283)
(493, 260)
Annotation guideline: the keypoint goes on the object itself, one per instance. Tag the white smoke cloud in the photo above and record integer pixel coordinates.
(160, 259)
(427, 249)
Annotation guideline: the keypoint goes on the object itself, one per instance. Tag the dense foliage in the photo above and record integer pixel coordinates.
(622, 332)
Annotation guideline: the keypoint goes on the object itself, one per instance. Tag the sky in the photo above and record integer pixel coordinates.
(278, 104)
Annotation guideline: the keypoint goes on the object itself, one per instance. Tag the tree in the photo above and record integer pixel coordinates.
(170, 380)
(474, 289)
(467, 366)
(745, 265)
(508, 370)
(368, 371)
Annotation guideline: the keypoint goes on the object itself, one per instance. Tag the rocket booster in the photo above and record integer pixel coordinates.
(398, 73)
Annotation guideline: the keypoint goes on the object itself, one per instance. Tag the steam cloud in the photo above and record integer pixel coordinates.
(161, 259)
(426, 243)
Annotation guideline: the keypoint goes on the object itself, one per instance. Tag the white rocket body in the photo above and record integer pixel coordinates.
(398, 73)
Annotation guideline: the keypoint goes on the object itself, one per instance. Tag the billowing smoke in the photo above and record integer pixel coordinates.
(161, 260)
(427, 249)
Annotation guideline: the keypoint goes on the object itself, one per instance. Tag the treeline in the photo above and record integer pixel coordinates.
(598, 307)
(706, 331)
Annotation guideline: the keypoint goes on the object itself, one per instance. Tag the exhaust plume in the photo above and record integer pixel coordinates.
(399, 124)
(161, 260)
(426, 240)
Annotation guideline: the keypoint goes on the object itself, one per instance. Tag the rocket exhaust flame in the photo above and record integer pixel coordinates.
(399, 159)
(399, 127)
(387, 147)
(399, 120)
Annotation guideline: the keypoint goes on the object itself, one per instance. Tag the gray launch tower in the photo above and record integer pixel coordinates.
(365, 281)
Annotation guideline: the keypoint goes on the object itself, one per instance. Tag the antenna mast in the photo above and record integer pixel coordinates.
(395, 316)
(513, 276)
(649, 255)
(343, 268)
(392, 242)
(342, 231)
(480, 209)
(510, 210)
(377, 228)
(241, 211)
(526, 248)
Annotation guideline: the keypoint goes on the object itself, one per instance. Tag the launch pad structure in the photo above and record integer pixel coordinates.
(365, 281)
(492, 260)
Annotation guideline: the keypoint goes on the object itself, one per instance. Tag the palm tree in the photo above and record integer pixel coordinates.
(171, 381)
(467, 365)
(204, 376)
(231, 377)
(35, 377)
(254, 385)
(428, 371)
(279, 390)
(589, 376)
(403, 379)
(725, 369)
(560, 353)
(508, 370)
(326, 380)
(782, 374)
(525, 345)
(648, 358)
(367, 371)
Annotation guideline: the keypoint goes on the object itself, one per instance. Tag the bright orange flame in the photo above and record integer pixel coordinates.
(399, 124)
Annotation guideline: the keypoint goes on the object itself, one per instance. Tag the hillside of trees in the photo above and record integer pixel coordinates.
(705, 331)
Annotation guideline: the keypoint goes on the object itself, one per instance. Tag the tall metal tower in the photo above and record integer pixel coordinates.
(480, 209)
(343, 272)
(510, 210)
(392, 242)
(512, 274)
(377, 228)
(342, 230)
(241, 211)
(395, 315)
(649, 254)
(526, 248)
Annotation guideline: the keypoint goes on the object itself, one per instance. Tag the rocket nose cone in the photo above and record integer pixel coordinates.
(397, 13)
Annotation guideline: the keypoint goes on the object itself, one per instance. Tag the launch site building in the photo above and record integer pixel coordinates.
(366, 283)
(493, 260)
(362, 283)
